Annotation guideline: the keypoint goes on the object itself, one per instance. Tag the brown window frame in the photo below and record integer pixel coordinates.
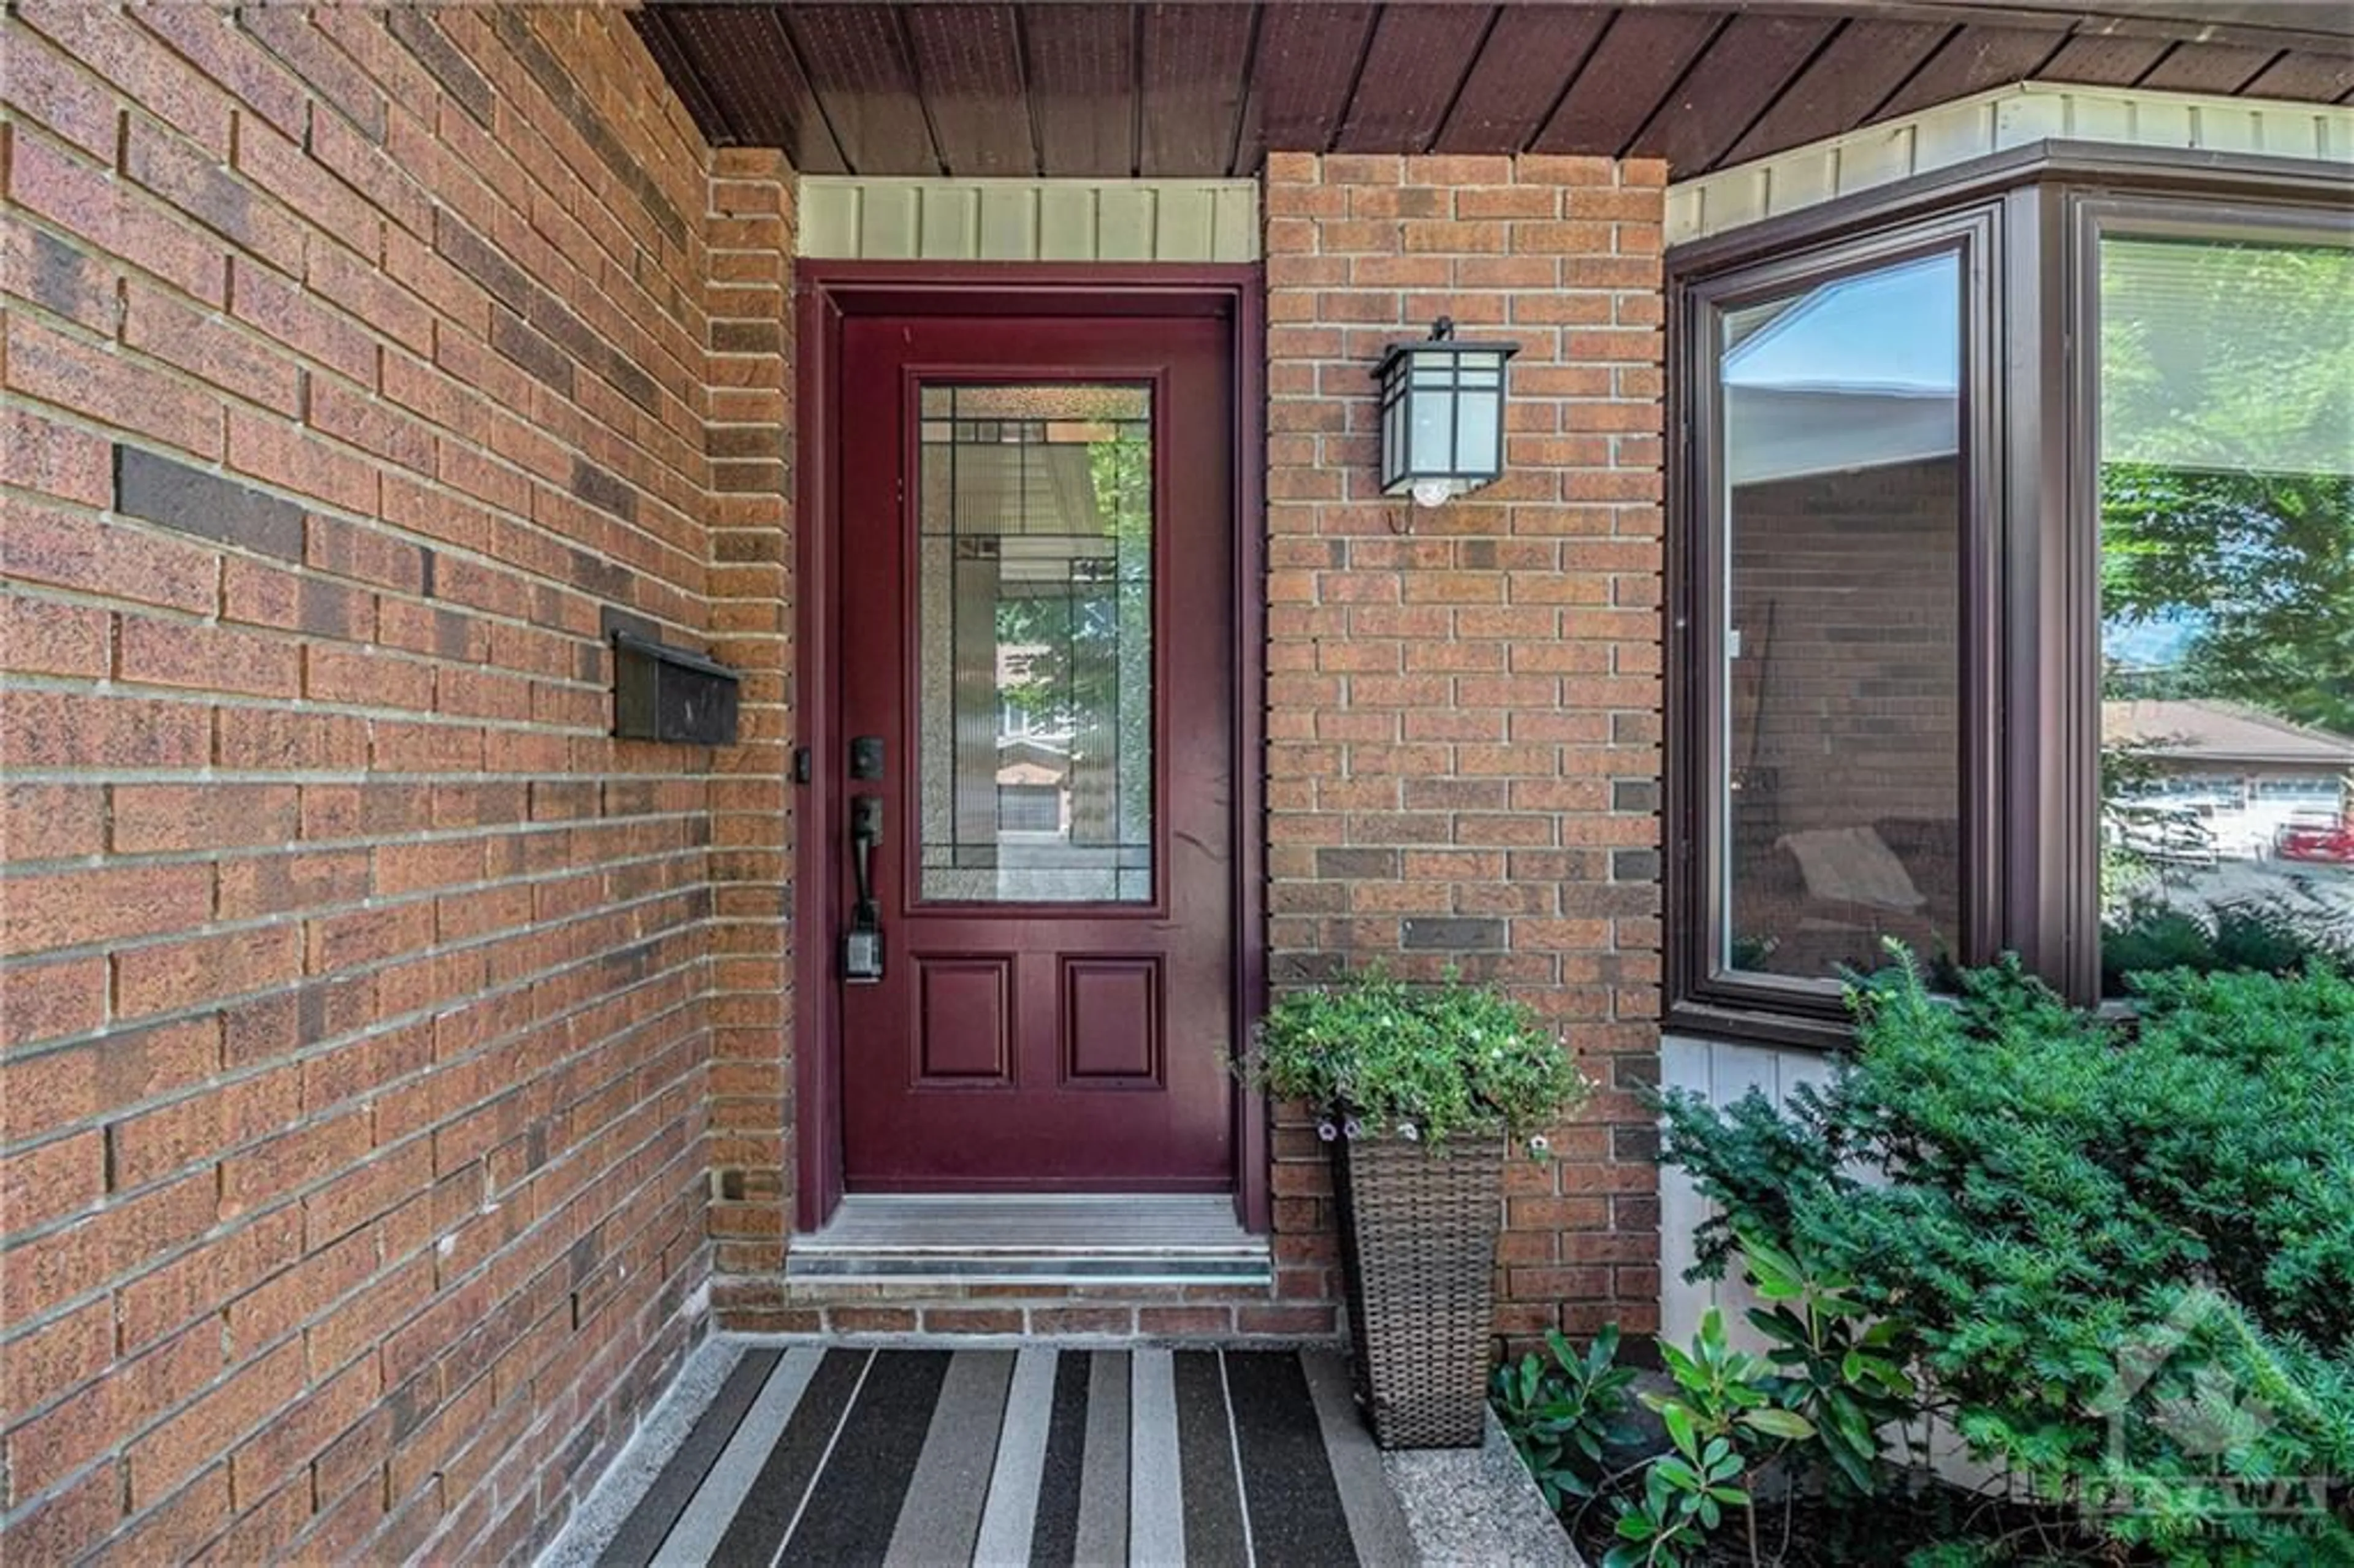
(2028, 223)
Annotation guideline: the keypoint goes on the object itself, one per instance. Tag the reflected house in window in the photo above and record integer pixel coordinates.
(1033, 751)
(1842, 509)
(2215, 782)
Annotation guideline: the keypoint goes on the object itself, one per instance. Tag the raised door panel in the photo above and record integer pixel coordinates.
(964, 1021)
(1112, 1021)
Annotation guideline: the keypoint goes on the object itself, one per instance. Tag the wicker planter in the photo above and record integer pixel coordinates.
(1418, 1229)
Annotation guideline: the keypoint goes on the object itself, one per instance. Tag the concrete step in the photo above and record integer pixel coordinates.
(1094, 1238)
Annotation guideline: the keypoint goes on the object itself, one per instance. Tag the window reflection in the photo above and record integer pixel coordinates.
(2227, 589)
(1842, 471)
(1036, 646)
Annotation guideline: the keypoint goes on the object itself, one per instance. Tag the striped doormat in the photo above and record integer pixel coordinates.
(931, 1458)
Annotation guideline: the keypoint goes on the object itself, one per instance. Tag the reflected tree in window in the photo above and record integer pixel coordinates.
(2227, 585)
(1089, 665)
(2227, 507)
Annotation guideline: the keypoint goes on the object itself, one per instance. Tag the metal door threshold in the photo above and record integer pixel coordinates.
(1092, 1238)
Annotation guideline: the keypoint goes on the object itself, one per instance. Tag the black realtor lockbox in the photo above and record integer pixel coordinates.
(661, 693)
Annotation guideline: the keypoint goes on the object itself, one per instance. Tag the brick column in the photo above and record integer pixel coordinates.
(750, 295)
(1464, 702)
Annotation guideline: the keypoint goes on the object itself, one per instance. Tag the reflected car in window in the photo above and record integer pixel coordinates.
(2330, 843)
(2165, 833)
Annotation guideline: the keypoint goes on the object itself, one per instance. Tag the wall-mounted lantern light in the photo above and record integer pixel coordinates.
(1442, 415)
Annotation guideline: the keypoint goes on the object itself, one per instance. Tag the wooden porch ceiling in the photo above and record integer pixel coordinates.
(1204, 89)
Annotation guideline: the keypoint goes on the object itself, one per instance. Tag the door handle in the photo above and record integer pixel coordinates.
(862, 944)
(866, 837)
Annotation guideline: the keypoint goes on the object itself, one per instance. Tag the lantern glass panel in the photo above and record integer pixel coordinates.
(1476, 448)
(1433, 433)
(1393, 434)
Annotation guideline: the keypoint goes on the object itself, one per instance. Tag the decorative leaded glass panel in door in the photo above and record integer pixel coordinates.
(1034, 653)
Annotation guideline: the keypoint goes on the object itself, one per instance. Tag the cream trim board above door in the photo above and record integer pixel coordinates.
(845, 218)
(1993, 121)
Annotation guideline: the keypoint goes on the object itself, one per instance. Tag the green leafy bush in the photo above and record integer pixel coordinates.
(2125, 1250)
(1841, 1368)
(2273, 934)
(1564, 1415)
(1377, 1055)
(1814, 1412)
(1725, 1421)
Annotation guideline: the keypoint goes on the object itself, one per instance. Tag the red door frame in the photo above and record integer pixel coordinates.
(830, 291)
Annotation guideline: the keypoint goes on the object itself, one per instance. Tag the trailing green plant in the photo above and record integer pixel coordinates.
(2124, 1249)
(1376, 1055)
(1562, 1413)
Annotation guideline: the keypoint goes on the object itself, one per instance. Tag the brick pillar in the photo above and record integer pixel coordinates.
(1464, 702)
(749, 298)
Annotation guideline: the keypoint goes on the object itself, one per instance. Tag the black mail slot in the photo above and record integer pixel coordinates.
(662, 692)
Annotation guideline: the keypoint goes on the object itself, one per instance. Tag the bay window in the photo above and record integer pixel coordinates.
(2012, 585)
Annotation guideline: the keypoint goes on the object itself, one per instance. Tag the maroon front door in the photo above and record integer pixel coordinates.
(1035, 679)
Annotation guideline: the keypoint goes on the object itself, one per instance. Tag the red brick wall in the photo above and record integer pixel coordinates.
(361, 990)
(1463, 704)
